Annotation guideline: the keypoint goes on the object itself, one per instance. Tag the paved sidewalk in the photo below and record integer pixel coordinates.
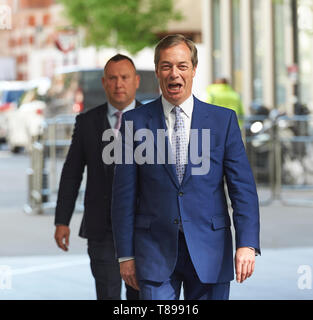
(68, 277)
(40, 270)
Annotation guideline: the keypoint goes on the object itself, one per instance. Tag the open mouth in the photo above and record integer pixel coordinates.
(174, 87)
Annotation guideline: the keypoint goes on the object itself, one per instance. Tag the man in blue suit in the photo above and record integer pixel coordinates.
(170, 218)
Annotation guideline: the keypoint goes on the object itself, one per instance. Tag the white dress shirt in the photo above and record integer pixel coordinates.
(111, 112)
(186, 106)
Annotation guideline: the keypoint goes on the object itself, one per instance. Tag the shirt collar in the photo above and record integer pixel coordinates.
(187, 106)
(112, 109)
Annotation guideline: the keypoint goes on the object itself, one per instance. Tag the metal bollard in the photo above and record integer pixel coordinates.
(35, 180)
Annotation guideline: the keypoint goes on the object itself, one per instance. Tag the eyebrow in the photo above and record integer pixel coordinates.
(167, 62)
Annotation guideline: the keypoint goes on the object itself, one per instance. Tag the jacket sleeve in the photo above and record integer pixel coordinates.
(241, 188)
(71, 176)
(124, 196)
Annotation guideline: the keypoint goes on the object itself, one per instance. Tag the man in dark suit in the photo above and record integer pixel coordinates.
(120, 82)
(170, 219)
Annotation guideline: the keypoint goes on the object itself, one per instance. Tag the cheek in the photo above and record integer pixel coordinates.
(162, 81)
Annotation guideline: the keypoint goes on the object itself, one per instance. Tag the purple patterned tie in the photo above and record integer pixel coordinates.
(179, 143)
(118, 115)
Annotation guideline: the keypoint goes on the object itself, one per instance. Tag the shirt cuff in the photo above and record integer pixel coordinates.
(257, 253)
(125, 259)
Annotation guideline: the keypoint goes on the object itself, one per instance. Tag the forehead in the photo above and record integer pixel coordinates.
(175, 54)
(122, 66)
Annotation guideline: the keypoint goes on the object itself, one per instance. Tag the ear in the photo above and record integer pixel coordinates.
(156, 72)
(137, 81)
(194, 71)
(103, 82)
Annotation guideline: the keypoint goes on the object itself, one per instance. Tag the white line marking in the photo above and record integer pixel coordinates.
(46, 267)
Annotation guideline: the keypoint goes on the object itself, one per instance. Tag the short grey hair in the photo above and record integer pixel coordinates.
(171, 41)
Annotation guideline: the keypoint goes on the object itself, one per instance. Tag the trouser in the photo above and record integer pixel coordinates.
(106, 271)
(184, 274)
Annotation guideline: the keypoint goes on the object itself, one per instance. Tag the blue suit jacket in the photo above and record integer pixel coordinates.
(148, 200)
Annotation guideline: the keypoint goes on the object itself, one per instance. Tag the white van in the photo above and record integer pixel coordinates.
(10, 94)
(25, 123)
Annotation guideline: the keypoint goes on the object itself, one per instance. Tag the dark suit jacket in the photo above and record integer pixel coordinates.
(86, 150)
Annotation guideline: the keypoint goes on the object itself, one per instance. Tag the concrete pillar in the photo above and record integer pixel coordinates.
(226, 39)
(289, 58)
(246, 47)
(269, 67)
(207, 37)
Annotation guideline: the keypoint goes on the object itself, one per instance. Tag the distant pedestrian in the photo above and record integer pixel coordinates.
(120, 82)
(220, 93)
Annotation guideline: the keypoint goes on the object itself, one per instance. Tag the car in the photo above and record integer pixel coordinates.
(10, 94)
(25, 123)
(74, 90)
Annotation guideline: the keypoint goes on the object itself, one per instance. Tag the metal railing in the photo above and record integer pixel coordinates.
(282, 144)
(287, 144)
(298, 151)
(45, 155)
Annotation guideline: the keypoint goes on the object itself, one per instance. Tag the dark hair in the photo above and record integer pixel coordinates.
(221, 81)
(174, 40)
(119, 57)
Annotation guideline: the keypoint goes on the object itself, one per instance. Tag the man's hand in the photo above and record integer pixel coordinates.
(128, 273)
(244, 263)
(62, 236)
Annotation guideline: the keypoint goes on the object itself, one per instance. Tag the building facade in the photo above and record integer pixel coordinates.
(262, 47)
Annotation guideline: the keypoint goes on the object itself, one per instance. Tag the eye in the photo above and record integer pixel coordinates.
(165, 67)
(183, 67)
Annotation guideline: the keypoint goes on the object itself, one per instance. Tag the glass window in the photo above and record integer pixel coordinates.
(237, 72)
(305, 23)
(217, 67)
(280, 60)
(258, 53)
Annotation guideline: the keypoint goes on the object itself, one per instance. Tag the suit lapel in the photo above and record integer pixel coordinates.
(101, 123)
(200, 120)
(155, 122)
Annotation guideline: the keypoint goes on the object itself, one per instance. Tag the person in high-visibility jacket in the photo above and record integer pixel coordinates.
(220, 93)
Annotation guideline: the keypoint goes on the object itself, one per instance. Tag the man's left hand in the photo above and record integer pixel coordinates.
(244, 263)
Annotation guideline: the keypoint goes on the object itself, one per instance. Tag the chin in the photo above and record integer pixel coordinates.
(176, 100)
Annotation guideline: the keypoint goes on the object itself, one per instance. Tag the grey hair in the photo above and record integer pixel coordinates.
(173, 40)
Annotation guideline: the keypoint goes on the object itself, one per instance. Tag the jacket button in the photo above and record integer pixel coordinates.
(176, 221)
(181, 194)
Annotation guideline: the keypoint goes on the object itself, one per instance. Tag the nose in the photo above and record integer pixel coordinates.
(174, 72)
(119, 82)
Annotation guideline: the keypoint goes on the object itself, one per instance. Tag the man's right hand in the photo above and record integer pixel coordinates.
(128, 273)
(62, 237)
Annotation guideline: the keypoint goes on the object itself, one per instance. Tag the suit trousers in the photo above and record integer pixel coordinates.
(106, 270)
(184, 275)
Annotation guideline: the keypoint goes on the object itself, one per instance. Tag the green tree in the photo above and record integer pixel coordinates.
(129, 24)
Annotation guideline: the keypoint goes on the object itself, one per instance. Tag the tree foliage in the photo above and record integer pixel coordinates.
(129, 24)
